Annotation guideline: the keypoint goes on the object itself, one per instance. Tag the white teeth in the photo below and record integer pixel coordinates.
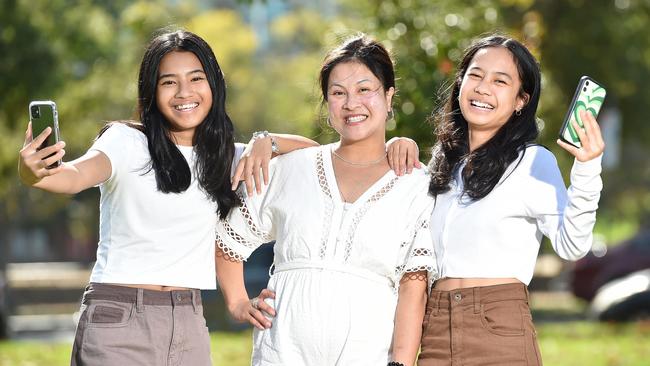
(355, 119)
(481, 105)
(185, 107)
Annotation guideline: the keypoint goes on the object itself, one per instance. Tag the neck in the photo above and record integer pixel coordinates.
(183, 138)
(478, 138)
(361, 151)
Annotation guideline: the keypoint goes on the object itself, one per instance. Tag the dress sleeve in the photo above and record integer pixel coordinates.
(566, 217)
(249, 225)
(418, 249)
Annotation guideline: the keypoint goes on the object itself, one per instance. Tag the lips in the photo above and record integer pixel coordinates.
(186, 107)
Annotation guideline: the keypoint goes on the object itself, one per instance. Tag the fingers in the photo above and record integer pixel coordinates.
(28, 134)
(239, 171)
(38, 141)
(403, 156)
(256, 179)
(265, 172)
(393, 158)
(568, 147)
(255, 315)
(54, 158)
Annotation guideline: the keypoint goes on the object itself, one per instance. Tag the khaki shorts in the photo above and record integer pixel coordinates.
(489, 325)
(122, 326)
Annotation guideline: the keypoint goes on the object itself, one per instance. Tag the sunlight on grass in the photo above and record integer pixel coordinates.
(563, 344)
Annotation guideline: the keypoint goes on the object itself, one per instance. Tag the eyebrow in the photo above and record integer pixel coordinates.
(496, 72)
(358, 82)
(187, 73)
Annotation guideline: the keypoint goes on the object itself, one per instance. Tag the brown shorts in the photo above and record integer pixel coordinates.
(489, 325)
(122, 326)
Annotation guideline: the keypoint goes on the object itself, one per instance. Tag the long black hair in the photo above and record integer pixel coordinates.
(486, 164)
(213, 138)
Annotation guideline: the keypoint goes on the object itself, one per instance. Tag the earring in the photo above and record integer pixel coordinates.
(390, 115)
(518, 112)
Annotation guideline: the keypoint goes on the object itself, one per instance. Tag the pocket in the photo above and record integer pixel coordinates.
(503, 318)
(109, 314)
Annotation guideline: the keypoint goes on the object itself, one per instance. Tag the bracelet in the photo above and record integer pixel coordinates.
(264, 134)
(395, 363)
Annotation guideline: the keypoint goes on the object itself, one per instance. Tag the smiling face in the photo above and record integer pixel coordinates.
(183, 94)
(357, 103)
(490, 91)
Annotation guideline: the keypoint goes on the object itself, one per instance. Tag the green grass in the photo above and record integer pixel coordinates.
(563, 344)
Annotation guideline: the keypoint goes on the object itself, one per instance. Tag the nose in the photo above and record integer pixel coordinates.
(351, 101)
(482, 88)
(184, 89)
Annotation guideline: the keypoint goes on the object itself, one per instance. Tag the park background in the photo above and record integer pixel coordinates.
(85, 56)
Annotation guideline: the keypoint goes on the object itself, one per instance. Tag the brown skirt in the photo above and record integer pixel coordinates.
(488, 325)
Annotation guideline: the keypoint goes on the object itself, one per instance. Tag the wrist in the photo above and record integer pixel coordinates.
(264, 134)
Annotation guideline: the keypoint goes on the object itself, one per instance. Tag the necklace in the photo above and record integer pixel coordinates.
(365, 163)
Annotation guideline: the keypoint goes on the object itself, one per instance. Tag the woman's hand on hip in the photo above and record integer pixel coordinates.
(253, 310)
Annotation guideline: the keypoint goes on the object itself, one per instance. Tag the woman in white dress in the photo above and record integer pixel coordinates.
(353, 253)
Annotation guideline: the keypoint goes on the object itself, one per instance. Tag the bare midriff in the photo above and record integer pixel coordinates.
(449, 283)
(153, 287)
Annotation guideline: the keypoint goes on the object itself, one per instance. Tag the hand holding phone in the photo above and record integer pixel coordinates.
(42, 152)
(589, 96)
(43, 114)
(580, 134)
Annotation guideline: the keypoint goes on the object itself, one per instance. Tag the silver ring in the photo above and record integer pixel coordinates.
(255, 302)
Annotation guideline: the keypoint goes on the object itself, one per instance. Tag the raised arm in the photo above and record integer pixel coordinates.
(259, 151)
(70, 177)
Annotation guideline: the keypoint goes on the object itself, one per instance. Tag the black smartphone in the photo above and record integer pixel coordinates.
(589, 96)
(43, 114)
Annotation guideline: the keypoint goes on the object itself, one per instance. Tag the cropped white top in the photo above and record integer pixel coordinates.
(499, 236)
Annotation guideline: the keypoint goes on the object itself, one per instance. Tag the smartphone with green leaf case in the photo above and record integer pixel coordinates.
(589, 96)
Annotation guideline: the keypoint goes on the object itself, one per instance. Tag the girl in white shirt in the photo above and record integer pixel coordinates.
(164, 181)
(353, 250)
(496, 195)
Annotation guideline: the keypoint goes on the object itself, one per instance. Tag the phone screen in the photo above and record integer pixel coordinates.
(589, 96)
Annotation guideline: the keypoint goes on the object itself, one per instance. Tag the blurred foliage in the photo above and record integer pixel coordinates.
(85, 55)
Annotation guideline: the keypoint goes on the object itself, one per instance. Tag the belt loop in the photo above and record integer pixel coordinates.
(477, 300)
(527, 293)
(195, 306)
(438, 295)
(139, 301)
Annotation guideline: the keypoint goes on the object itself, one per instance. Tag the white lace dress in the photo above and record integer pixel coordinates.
(337, 265)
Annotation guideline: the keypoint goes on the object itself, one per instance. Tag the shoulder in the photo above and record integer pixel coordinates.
(538, 162)
(306, 155)
(536, 157)
(113, 130)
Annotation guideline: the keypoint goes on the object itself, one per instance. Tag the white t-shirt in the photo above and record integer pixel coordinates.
(146, 236)
(499, 235)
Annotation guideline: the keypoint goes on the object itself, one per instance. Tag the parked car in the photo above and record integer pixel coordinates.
(623, 299)
(591, 272)
(617, 284)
